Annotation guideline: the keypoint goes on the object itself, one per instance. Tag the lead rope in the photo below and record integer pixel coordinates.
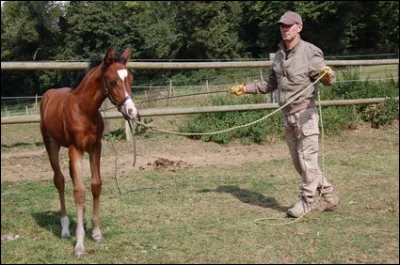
(259, 120)
(224, 131)
(234, 127)
(116, 155)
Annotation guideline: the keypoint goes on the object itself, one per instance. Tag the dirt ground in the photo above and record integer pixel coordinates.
(165, 152)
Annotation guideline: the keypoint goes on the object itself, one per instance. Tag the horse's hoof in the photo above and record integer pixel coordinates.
(65, 236)
(98, 238)
(79, 253)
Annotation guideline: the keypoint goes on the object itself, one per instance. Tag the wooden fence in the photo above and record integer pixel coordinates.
(185, 65)
(197, 110)
(52, 65)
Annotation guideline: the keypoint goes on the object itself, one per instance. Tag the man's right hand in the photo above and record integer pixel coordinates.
(237, 90)
(327, 71)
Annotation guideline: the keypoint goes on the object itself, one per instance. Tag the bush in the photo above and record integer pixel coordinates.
(355, 89)
(335, 118)
(338, 118)
(382, 113)
(211, 122)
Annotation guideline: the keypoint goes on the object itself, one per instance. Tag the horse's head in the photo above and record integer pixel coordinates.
(117, 82)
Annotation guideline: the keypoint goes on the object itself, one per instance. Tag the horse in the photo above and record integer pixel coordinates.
(71, 118)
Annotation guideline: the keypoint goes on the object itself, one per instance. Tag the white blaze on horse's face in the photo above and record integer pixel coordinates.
(128, 108)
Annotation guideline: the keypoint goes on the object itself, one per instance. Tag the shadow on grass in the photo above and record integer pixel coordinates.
(250, 197)
(50, 220)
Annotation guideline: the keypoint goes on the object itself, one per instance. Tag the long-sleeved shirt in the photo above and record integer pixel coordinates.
(290, 73)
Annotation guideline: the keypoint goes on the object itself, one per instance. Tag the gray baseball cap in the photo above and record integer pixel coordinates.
(289, 18)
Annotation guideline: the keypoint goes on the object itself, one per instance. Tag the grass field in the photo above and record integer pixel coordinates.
(219, 214)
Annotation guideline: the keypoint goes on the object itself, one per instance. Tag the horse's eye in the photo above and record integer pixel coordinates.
(113, 82)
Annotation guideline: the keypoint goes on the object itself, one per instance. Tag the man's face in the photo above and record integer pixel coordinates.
(290, 32)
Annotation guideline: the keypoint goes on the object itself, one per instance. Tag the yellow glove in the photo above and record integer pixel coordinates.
(328, 71)
(237, 90)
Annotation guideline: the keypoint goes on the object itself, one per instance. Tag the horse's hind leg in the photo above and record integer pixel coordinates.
(53, 150)
(96, 184)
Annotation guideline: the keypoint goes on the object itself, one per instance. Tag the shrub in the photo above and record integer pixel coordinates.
(211, 122)
(335, 118)
(382, 113)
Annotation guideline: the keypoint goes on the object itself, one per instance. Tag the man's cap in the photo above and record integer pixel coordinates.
(289, 18)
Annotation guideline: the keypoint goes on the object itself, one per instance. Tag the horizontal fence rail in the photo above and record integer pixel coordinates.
(54, 65)
(198, 110)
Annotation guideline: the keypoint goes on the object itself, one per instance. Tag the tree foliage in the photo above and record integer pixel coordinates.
(216, 30)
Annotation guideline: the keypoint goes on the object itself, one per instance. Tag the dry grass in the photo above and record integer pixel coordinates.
(207, 214)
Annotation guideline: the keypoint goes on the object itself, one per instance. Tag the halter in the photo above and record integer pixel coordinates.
(106, 92)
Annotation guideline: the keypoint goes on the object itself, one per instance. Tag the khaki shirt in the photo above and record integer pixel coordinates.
(291, 75)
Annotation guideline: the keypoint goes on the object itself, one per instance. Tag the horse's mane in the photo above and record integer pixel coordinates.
(94, 62)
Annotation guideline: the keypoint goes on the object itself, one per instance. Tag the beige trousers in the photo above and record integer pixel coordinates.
(301, 133)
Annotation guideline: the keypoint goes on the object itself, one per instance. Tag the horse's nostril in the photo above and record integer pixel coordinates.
(130, 111)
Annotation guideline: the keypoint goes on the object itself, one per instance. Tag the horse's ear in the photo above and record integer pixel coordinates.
(126, 55)
(109, 58)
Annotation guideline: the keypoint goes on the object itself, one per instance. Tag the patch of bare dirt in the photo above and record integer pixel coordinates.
(165, 152)
(164, 163)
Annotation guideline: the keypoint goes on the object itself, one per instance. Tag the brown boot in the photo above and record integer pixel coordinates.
(328, 202)
(300, 208)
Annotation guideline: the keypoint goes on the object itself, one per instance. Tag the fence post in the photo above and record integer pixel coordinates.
(36, 101)
(271, 58)
(104, 106)
(128, 132)
(208, 89)
(171, 88)
(169, 91)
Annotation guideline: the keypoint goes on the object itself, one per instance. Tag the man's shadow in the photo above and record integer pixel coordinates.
(250, 197)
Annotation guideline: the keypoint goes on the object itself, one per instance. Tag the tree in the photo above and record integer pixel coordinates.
(209, 29)
(159, 37)
(91, 27)
(29, 31)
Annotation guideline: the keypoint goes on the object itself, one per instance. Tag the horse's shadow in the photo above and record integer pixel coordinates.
(20, 144)
(250, 197)
(50, 220)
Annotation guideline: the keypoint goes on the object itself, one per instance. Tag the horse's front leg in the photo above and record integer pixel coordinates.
(75, 158)
(96, 184)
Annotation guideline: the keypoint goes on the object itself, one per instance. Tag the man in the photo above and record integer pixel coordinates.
(296, 66)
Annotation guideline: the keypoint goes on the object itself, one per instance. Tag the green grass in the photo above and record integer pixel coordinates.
(207, 214)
